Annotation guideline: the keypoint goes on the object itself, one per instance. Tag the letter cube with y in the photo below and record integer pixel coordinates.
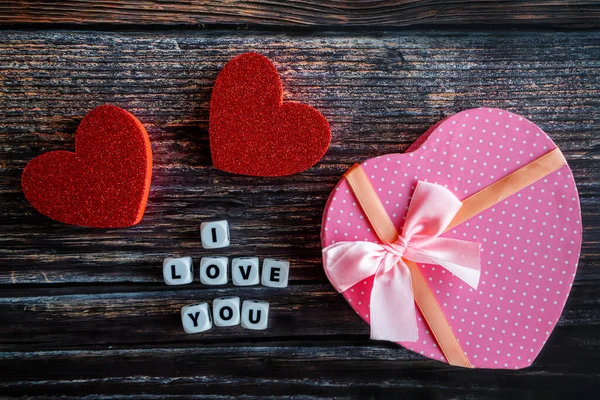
(244, 271)
(196, 318)
(255, 314)
(178, 271)
(226, 311)
(214, 234)
(213, 270)
(275, 273)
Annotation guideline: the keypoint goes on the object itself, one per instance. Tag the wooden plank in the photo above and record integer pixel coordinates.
(563, 13)
(380, 91)
(297, 369)
(152, 316)
(100, 318)
(85, 312)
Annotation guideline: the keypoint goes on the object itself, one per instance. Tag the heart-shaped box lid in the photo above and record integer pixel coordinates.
(530, 241)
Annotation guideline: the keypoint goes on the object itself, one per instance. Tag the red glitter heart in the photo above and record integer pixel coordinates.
(104, 183)
(253, 132)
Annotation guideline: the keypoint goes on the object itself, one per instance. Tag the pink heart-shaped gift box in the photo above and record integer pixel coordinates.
(530, 242)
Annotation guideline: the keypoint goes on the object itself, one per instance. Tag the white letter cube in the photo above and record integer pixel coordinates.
(255, 314)
(226, 311)
(178, 271)
(275, 273)
(213, 270)
(196, 318)
(214, 234)
(244, 271)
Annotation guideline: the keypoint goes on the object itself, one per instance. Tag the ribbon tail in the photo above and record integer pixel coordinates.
(431, 209)
(466, 274)
(460, 257)
(393, 315)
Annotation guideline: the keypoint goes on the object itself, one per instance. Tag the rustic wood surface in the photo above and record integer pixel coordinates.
(84, 312)
(343, 13)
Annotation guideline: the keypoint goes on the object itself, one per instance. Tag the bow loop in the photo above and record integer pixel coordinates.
(431, 209)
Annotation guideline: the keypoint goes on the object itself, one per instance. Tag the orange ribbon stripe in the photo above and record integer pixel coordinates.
(508, 185)
(371, 205)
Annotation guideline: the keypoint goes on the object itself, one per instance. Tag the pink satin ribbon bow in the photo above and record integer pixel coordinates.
(392, 308)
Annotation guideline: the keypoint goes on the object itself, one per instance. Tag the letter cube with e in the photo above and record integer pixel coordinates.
(214, 234)
(275, 273)
(255, 314)
(196, 318)
(178, 271)
(244, 271)
(213, 270)
(226, 311)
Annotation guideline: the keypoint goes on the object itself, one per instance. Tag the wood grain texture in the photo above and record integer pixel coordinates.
(85, 313)
(559, 13)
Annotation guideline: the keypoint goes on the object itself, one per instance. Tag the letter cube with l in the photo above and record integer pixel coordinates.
(214, 234)
(275, 273)
(255, 314)
(196, 318)
(244, 271)
(213, 270)
(226, 311)
(178, 271)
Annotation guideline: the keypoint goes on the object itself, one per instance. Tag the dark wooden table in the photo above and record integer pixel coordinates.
(85, 313)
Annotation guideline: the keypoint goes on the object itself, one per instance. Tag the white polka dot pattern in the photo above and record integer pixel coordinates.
(530, 241)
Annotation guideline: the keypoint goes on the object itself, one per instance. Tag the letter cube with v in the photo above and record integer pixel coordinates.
(244, 271)
(255, 314)
(196, 318)
(214, 234)
(178, 271)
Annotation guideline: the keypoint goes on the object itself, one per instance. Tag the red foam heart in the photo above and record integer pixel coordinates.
(104, 183)
(253, 132)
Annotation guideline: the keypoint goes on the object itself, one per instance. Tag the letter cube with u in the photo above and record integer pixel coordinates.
(255, 314)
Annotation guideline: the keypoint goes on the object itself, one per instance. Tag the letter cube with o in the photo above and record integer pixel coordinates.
(226, 311)
(244, 271)
(213, 270)
(255, 314)
(178, 271)
(214, 234)
(275, 273)
(196, 318)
